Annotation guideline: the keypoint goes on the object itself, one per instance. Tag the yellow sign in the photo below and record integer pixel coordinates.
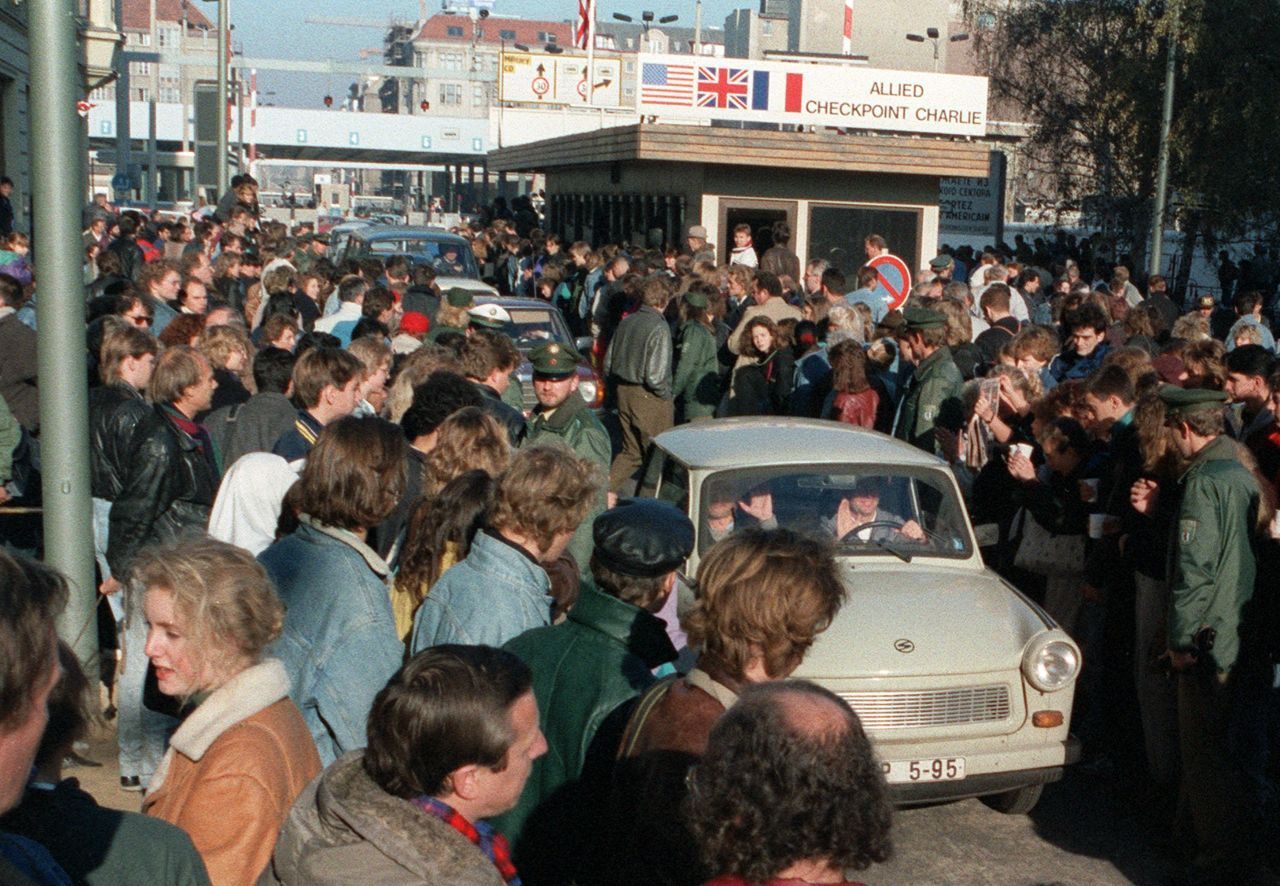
(546, 79)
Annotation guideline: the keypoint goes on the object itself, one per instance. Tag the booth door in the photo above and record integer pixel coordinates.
(761, 216)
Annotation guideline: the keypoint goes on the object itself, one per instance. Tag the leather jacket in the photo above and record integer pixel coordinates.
(640, 353)
(168, 489)
(511, 419)
(114, 413)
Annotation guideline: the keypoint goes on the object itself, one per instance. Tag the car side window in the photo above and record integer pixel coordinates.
(665, 479)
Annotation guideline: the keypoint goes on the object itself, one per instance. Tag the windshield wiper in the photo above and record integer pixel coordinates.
(885, 546)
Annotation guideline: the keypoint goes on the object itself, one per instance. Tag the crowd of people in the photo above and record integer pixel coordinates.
(378, 619)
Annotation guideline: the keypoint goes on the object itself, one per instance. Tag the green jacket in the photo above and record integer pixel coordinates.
(584, 669)
(696, 385)
(10, 437)
(932, 397)
(575, 425)
(1212, 565)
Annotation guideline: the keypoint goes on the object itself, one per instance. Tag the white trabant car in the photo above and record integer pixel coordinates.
(964, 685)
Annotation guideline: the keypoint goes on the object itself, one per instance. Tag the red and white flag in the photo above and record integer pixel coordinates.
(847, 45)
(585, 30)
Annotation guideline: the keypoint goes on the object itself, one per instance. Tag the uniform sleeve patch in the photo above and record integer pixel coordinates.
(1187, 531)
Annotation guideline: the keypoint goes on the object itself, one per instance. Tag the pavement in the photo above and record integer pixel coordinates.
(1084, 831)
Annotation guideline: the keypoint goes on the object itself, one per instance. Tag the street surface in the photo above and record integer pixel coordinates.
(1077, 836)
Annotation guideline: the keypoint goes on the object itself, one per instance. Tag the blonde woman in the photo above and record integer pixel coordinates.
(230, 353)
(243, 754)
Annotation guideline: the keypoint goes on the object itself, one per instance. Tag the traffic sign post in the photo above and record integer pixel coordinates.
(894, 276)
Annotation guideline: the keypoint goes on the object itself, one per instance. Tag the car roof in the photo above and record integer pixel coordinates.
(748, 442)
(408, 232)
(508, 301)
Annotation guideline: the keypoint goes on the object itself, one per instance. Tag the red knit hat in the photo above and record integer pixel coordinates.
(414, 323)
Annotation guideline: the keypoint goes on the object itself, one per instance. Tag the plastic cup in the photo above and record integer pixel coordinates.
(1023, 449)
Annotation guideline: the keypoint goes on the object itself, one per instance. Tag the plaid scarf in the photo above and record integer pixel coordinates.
(491, 843)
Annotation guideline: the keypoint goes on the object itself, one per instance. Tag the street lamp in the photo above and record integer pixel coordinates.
(646, 21)
(935, 36)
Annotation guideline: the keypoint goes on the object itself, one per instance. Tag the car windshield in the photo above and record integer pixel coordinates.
(530, 327)
(448, 258)
(865, 509)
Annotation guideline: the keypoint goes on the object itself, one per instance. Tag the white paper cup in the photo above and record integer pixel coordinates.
(1023, 449)
(1103, 524)
(1089, 489)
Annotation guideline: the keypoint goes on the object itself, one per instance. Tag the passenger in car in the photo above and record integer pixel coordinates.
(859, 517)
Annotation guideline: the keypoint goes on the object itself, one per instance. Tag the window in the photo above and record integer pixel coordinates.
(142, 69)
(766, 28)
(170, 95)
(168, 36)
(477, 95)
(455, 31)
(839, 231)
(506, 35)
(142, 94)
(546, 37)
(451, 61)
(450, 93)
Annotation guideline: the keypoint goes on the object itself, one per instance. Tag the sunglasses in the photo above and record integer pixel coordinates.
(139, 319)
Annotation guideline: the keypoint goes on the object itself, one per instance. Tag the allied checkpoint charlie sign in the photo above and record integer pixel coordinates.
(676, 87)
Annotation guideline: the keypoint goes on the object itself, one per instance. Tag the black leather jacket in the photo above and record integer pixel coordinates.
(640, 353)
(167, 490)
(114, 413)
(511, 419)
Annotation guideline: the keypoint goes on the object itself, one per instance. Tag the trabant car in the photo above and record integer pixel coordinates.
(963, 684)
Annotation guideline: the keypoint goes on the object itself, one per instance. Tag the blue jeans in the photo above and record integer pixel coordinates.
(142, 732)
(101, 526)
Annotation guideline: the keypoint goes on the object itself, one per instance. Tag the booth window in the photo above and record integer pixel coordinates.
(836, 234)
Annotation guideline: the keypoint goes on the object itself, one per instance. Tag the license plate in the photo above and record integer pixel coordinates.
(935, 769)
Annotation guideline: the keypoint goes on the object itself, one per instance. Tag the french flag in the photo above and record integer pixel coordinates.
(795, 93)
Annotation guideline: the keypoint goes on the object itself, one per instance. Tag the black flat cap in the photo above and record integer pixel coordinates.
(642, 537)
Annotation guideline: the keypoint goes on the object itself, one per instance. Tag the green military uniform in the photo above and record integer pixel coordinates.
(586, 671)
(1212, 569)
(932, 396)
(696, 382)
(573, 424)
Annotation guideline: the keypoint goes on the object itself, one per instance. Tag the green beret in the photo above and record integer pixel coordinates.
(459, 297)
(923, 318)
(941, 262)
(696, 299)
(554, 360)
(1180, 402)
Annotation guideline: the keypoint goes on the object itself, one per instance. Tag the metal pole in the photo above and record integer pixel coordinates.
(64, 396)
(152, 183)
(224, 37)
(1162, 170)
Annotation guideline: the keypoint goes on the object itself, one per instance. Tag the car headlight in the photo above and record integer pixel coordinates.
(587, 388)
(1051, 664)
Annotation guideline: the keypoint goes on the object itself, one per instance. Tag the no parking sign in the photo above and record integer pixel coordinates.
(893, 275)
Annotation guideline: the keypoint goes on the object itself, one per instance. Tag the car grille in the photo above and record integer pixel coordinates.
(930, 707)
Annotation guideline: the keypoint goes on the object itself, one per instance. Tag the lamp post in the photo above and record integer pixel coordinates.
(647, 18)
(224, 46)
(935, 36)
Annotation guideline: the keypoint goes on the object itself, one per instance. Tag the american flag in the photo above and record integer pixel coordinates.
(666, 84)
(723, 88)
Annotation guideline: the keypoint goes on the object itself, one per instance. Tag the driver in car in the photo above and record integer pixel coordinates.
(448, 261)
(860, 518)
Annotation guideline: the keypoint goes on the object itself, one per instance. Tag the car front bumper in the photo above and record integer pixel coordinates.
(980, 784)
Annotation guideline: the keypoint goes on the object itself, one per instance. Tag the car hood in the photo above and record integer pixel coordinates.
(476, 286)
(916, 620)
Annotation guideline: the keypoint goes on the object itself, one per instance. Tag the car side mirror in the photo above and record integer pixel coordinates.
(583, 344)
(986, 534)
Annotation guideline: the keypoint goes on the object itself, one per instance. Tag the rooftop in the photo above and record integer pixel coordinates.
(136, 14)
(491, 29)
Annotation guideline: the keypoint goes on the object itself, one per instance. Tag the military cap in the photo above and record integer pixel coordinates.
(923, 318)
(1206, 301)
(321, 238)
(554, 360)
(490, 316)
(696, 299)
(306, 237)
(1181, 402)
(941, 262)
(643, 537)
(459, 297)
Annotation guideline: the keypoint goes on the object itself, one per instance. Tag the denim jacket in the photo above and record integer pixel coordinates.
(339, 642)
(495, 594)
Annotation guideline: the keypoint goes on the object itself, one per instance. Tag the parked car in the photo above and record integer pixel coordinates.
(449, 254)
(964, 684)
(534, 321)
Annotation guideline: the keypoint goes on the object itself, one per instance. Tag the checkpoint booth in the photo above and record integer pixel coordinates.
(838, 150)
(646, 183)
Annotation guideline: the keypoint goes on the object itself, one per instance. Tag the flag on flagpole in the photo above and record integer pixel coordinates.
(585, 30)
(847, 45)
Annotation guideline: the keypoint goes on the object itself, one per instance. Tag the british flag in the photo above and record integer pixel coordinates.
(723, 88)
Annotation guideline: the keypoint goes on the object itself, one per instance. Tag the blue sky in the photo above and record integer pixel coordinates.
(278, 29)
